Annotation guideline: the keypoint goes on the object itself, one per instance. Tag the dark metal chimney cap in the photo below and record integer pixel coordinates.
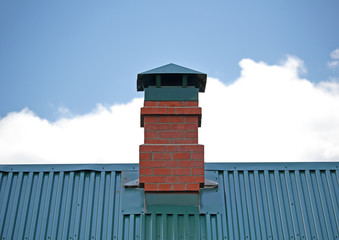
(167, 73)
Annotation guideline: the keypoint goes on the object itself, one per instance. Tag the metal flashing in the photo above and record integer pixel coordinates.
(132, 199)
(210, 183)
(187, 203)
(132, 184)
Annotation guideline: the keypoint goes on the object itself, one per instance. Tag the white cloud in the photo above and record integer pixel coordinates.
(106, 135)
(64, 112)
(335, 59)
(333, 64)
(331, 86)
(335, 54)
(269, 113)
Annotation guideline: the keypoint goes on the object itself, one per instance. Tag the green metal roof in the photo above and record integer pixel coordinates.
(252, 201)
(148, 78)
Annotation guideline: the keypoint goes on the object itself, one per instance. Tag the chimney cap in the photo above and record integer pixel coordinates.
(167, 73)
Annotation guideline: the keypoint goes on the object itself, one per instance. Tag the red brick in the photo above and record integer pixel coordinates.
(193, 187)
(161, 171)
(188, 110)
(150, 119)
(153, 179)
(152, 148)
(191, 119)
(185, 141)
(191, 164)
(171, 111)
(157, 127)
(179, 187)
(198, 171)
(157, 141)
(181, 171)
(172, 164)
(146, 164)
(145, 156)
(162, 156)
(198, 156)
(173, 148)
(150, 103)
(165, 187)
(191, 134)
(171, 119)
(150, 134)
(180, 156)
(146, 171)
(141, 179)
(191, 103)
(153, 111)
(193, 126)
(172, 103)
(191, 148)
(171, 179)
(176, 134)
(151, 187)
(191, 179)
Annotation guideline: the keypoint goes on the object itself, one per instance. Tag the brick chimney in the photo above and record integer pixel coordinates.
(171, 160)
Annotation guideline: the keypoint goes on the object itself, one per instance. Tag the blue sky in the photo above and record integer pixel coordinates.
(76, 54)
(68, 74)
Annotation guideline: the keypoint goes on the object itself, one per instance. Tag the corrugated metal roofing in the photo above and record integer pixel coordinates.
(252, 201)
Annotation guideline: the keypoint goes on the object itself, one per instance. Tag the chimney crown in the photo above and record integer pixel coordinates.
(171, 75)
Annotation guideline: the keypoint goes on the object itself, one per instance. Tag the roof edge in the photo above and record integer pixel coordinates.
(68, 167)
(270, 166)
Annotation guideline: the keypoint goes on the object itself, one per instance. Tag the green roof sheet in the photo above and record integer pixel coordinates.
(252, 201)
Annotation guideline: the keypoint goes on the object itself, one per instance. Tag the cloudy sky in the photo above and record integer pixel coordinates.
(68, 77)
